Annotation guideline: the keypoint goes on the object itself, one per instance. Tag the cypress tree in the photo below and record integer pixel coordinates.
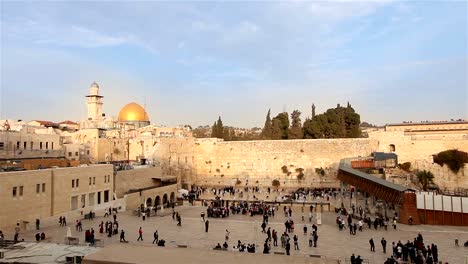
(267, 131)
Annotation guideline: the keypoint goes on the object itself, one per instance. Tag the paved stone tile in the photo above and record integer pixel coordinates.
(332, 242)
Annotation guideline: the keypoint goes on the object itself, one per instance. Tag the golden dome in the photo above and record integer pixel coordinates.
(133, 112)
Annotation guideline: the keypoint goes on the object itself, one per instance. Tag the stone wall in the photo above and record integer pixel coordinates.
(443, 176)
(135, 179)
(134, 200)
(215, 162)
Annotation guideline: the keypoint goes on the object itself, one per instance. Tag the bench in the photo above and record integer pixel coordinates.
(182, 246)
(98, 242)
(72, 240)
(221, 249)
(279, 253)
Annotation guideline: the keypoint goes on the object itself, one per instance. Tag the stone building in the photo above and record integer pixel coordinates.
(27, 195)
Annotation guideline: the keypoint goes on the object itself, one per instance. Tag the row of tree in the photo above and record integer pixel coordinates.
(339, 122)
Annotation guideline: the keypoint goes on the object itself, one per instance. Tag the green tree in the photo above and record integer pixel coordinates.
(296, 126)
(282, 120)
(425, 178)
(268, 127)
(339, 122)
(275, 129)
(214, 130)
(217, 131)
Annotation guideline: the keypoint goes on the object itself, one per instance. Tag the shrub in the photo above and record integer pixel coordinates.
(300, 174)
(320, 171)
(275, 183)
(405, 166)
(425, 178)
(217, 170)
(285, 169)
(454, 159)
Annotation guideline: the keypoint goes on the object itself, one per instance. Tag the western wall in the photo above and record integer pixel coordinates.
(214, 162)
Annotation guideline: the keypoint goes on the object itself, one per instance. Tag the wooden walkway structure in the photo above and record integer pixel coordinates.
(380, 188)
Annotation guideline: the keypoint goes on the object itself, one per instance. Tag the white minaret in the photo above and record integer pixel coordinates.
(94, 103)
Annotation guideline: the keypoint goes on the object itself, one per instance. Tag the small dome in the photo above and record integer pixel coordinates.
(94, 89)
(94, 85)
(133, 112)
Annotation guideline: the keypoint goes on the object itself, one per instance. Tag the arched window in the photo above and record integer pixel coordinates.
(392, 147)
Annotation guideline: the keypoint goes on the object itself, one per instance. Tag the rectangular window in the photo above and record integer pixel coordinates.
(52, 146)
(76, 153)
(25, 145)
(2, 145)
(18, 144)
(94, 180)
(77, 183)
(32, 145)
(43, 187)
(69, 154)
(89, 180)
(99, 198)
(106, 196)
(40, 145)
(73, 183)
(83, 200)
(38, 188)
(14, 191)
(47, 145)
(87, 152)
(21, 191)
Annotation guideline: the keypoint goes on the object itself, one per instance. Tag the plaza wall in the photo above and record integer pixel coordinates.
(219, 163)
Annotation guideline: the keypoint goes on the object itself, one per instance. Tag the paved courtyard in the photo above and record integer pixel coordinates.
(332, 243)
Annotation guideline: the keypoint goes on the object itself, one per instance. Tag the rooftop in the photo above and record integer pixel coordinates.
(30, 252)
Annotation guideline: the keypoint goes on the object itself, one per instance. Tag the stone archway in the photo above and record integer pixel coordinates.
(172, 197)
(157, 201)
(164, 200)
(149, 202)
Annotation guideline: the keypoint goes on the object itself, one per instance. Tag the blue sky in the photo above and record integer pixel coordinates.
(192, 61)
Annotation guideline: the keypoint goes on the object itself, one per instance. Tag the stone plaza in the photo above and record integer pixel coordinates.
(333, 245)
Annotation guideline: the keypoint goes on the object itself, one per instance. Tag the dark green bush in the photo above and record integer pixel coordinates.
(453, 158)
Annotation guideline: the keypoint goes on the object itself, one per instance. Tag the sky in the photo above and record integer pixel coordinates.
(190, 62)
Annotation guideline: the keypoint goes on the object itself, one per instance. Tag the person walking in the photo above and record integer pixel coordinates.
(140, 234)
(207, 224)
(372, 245)
(296, 244)
(384, 245)
(288, 248)
(227, 235)
(275, 238)
(156, 237)
(315, 239)
(122, 236)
